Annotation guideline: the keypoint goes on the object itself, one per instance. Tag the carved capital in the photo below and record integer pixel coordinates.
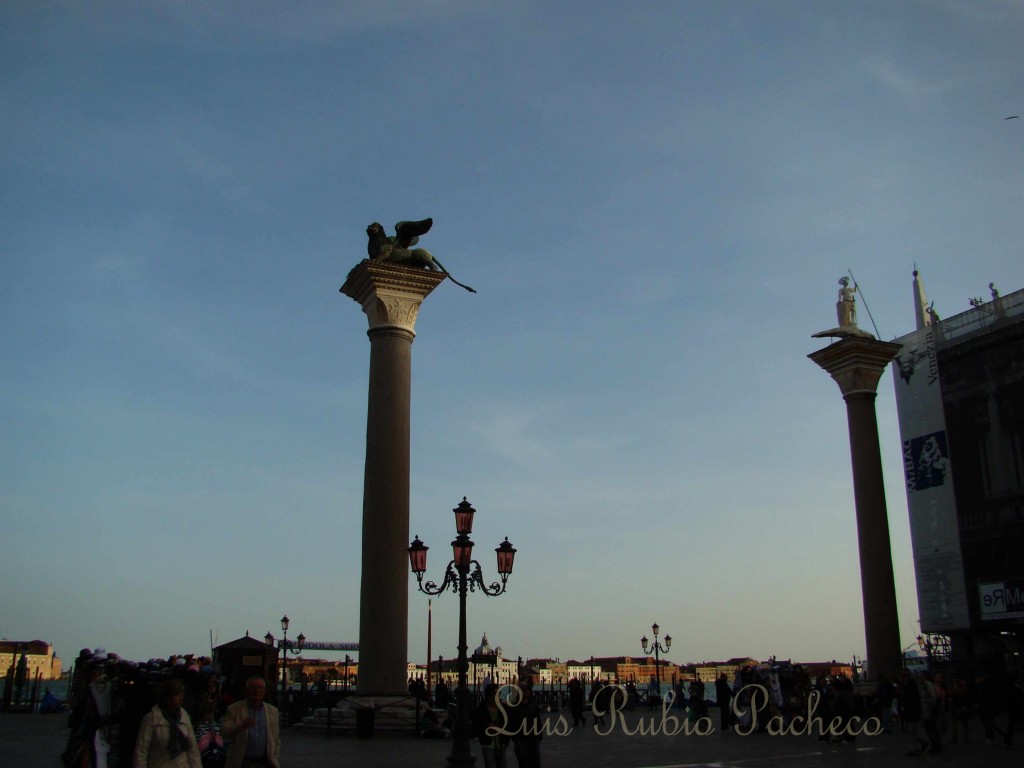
(390, 295)
(856, 363)
(392, 310)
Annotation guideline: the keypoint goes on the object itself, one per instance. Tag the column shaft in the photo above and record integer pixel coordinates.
(384, 591)
(881, 619)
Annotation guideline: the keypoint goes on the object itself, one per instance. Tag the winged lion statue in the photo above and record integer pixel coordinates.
(398, 249)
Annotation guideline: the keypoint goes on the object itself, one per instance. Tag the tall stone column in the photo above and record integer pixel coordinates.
(391, 297)
(856, 364)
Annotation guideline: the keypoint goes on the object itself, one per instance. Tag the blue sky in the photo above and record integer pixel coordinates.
(654, 200)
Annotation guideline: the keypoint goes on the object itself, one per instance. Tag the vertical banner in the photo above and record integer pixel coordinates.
(934, 531)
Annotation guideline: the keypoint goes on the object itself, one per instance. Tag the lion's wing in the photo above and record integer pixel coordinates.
(407, 232)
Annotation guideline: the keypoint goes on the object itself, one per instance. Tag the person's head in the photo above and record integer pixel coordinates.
(171, 695)
(255, 691)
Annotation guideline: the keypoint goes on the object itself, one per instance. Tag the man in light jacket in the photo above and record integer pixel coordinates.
(253, 727)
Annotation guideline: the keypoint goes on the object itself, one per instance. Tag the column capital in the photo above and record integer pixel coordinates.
(390, 295)
(856, 363)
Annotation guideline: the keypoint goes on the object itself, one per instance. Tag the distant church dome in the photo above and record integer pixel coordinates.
(484, 649)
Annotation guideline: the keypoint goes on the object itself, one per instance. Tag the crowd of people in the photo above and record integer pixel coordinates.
(515, 720)
(172, 713)
(929, 709)
(933, 711)
(177, 712)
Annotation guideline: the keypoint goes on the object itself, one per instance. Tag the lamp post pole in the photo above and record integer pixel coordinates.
(284, 662)
(462, 574)
(658, 648)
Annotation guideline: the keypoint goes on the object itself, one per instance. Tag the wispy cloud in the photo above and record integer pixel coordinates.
(216, 174)
(985, 11)
(308, 23)
(124, 251)
(885, 70)
(514, 434)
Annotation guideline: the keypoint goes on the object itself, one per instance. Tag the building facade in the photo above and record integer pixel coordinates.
(960, 399)
(710, 671)
(486, 665)
(39, 658)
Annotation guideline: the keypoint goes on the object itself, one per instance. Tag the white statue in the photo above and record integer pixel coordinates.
(846, 307)
(846, 310)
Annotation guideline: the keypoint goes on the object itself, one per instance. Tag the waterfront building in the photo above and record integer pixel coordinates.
(587, 671)
(546, 672)
(710, 671)
(485, 664)
(826, 669)
(40, 658)
(637, 669)
(330, 670)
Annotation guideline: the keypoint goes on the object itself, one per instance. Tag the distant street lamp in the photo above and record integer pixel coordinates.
(463, 573)
(656, 647)
(285, 650)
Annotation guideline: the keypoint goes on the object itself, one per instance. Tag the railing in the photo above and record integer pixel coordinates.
(983, 317)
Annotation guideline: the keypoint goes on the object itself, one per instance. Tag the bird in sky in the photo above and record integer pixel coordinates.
(1012, 117)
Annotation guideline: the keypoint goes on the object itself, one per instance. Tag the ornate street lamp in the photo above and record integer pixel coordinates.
(285, 650)
(657, 648)
(462, 574)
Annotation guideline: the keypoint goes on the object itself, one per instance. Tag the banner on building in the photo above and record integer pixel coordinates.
(934, 532)
(1001, 600)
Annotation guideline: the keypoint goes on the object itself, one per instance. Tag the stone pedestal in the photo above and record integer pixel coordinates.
(856, 363)
(391, 297)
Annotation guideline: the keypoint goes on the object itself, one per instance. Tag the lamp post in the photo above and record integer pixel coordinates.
(462, 574)
(657, 648)
(285, 650)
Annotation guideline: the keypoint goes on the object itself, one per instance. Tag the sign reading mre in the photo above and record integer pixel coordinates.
(1002, 600)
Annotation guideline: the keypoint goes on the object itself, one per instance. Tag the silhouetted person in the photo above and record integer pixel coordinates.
(492, 747)
(525, 723)
(723, 693)
(576, 702)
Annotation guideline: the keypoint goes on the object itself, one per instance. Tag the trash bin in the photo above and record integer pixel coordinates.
(364, 722)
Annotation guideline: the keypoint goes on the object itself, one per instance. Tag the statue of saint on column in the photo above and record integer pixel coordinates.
(846, 313)
(846, 307)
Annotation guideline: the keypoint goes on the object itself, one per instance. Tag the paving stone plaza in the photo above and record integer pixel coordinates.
(36, 741)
